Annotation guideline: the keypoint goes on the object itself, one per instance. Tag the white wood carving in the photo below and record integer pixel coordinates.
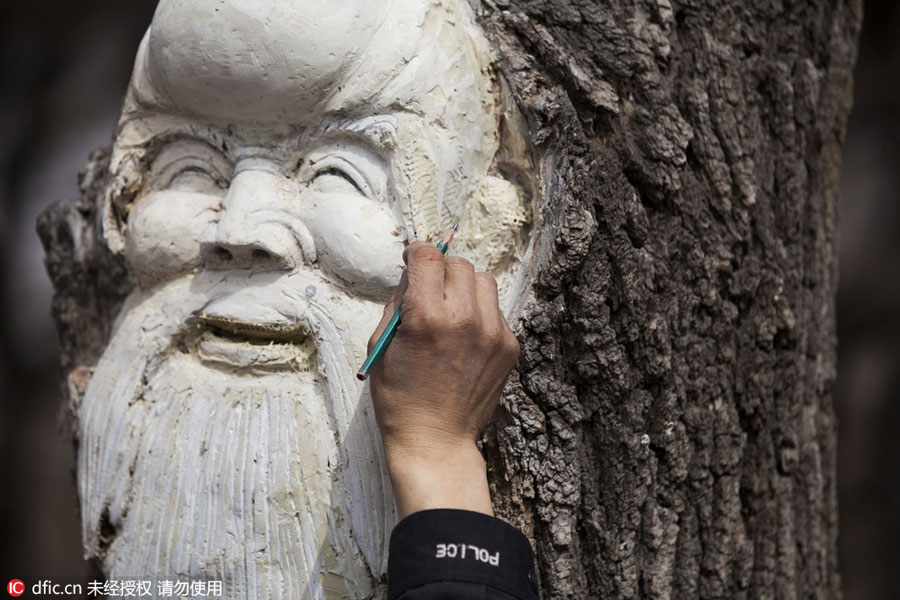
(272, 160)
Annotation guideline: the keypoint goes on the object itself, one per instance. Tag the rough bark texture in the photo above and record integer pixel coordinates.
(90, 283)
(669, 431)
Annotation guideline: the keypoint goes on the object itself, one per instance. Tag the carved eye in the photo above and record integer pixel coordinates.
(190, 166)
(347, 169)
(325, 176)
(195, 178)
(338, 176)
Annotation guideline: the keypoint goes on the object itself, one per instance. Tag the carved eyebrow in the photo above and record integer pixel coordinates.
(161, 143)
(381, 135)
(378, 131)
(215, 143)
(155, 130)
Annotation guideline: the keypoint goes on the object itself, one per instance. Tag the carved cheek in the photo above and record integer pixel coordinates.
(356, 238)
(164, 232)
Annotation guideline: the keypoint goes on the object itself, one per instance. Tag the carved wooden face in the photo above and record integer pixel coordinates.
(275, 156)
(272, 161)
(307, 141)
(320, 201)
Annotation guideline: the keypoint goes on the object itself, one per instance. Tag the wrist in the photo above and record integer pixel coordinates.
(427, 476)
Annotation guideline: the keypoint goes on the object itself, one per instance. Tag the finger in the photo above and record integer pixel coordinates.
(459, 284)
(511, 345)
(487, 297)
(397, 296)
(389, 310)
(425, 272)
(494, 324)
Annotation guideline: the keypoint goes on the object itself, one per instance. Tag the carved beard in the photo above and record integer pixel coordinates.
(273, 483)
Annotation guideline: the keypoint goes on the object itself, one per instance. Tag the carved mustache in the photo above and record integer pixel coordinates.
(264, 307)
(264, 321)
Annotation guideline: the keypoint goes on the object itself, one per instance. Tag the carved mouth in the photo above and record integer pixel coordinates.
(272, 332)
(232, 344)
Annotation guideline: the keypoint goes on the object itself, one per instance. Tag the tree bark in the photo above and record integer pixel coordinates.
(669, 430)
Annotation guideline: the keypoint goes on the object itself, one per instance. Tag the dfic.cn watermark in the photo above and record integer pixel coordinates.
(16, 587)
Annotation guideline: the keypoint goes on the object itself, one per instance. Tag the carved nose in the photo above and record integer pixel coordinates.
(254, 229)
(243, 256)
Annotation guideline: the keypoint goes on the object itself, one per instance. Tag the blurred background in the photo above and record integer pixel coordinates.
(64, 67)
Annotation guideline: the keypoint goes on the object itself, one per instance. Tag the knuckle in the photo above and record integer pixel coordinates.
(492, 336)
(421, 319)
(486, 289)
(427, 253)
(486, 278)
(432, 322)
(413, 307)
(460, 263)
(465, 322)
(511, 346)
(410, 250)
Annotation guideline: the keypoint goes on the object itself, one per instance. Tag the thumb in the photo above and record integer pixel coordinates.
(389, 310)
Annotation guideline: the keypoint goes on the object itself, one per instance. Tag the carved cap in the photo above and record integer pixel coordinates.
(287, 61)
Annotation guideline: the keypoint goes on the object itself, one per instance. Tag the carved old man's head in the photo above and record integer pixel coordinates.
(272, 160)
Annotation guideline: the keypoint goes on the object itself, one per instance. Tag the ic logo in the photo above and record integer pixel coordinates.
(15, 587)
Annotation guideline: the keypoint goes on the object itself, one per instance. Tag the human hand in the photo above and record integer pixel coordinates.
(440, 380)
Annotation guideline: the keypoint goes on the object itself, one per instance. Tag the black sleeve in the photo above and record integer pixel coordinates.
(448, 554)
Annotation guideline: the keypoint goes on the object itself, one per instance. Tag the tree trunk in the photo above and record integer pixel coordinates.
(669, 431)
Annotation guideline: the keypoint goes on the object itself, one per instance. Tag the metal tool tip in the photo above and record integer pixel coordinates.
(362, 376)
(456, 227)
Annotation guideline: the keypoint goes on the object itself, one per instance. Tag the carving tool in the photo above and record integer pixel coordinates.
(388, 334)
